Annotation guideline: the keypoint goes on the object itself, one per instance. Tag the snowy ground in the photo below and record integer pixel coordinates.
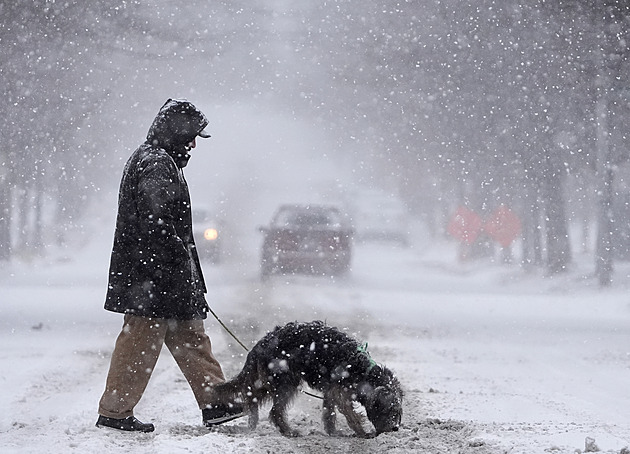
(491, 360)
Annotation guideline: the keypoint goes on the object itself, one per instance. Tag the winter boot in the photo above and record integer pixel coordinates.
(130, 424)
(220, 413)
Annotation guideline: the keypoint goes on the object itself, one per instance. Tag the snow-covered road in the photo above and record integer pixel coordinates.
(491, 360)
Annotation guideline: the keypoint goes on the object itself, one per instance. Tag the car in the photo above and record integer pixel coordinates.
(208, 232)
(306, 239)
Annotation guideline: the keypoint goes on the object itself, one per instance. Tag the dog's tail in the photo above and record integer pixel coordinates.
(239, 385)
(229, 390)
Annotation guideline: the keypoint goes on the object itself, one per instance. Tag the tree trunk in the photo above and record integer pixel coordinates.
(604, 261)
(557, 232)
(37, 239)
(556, 225)
(22, 237)
(5, 215)
(532, 243)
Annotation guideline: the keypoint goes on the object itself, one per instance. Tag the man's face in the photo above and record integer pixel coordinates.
(191, 144)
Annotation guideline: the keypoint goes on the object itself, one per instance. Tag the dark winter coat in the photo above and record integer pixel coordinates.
(154, 268)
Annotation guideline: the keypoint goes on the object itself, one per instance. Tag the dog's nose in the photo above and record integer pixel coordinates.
(395, 429)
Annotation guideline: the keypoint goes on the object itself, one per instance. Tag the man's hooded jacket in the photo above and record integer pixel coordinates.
(154, 268)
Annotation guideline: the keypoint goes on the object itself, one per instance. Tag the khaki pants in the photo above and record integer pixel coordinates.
(137, 350)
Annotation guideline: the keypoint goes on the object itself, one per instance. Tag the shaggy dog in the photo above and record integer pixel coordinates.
(328, 361)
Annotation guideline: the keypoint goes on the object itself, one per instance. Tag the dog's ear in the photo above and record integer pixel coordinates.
(383, 400)
(376, 401)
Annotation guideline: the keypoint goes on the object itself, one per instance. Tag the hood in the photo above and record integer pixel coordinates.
(177, 124)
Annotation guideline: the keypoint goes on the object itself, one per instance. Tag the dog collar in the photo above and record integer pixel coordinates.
(363, 351)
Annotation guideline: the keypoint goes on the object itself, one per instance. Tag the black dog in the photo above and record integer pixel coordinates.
(327, 360)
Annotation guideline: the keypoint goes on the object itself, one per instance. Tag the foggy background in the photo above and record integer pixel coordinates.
(440, 102)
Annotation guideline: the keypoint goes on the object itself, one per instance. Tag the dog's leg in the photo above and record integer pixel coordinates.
(251, 406)
(278, 413)
(329, 417)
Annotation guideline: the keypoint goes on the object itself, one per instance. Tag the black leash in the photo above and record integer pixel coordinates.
(228, 330)
(247, 349)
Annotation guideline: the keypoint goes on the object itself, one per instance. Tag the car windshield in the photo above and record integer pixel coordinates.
(307, 218)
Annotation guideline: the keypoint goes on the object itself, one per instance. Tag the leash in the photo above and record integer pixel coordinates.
(247, 349)
(228, 330)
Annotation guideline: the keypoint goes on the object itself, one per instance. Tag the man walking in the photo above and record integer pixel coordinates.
(155, 277)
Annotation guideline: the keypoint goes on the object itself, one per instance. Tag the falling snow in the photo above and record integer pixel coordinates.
(489, 138)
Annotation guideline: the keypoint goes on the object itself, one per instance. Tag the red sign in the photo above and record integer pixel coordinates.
(503, 226)
(465, 225)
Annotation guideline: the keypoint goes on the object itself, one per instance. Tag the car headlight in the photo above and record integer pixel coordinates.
(210, 234)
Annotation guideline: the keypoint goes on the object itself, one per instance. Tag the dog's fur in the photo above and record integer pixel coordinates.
(327, 360)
